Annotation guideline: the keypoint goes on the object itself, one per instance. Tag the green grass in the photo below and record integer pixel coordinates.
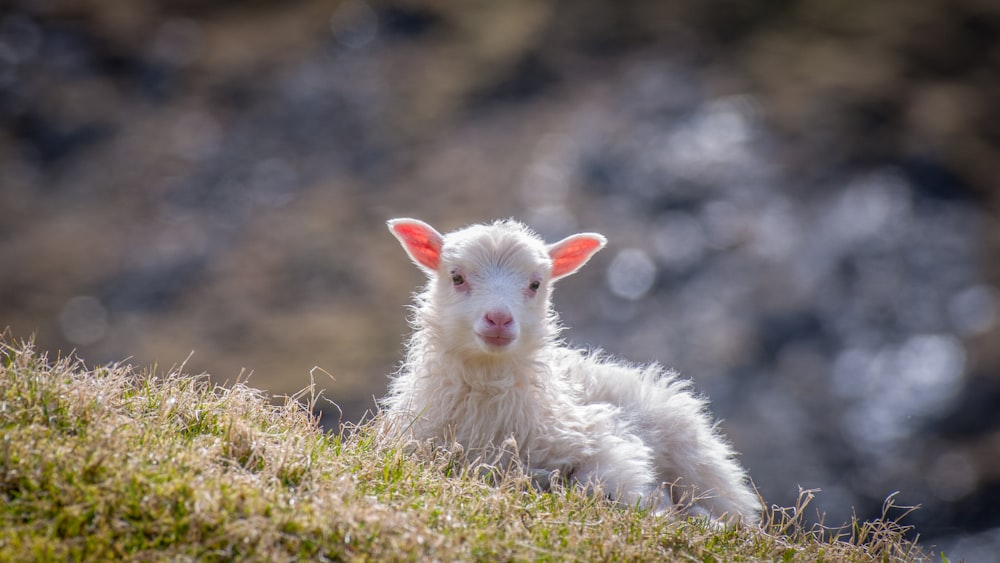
(114, 462)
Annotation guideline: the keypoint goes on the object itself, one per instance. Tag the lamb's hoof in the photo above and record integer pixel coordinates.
(701, 514)
(541, 479)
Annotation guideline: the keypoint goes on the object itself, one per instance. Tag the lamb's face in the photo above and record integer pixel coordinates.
(489, 292)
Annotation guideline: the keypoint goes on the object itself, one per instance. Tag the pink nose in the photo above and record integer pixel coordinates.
(499, 317)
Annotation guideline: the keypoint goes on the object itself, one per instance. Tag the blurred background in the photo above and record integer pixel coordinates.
(801, 199)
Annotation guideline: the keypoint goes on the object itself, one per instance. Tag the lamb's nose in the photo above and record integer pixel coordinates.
(499, 317)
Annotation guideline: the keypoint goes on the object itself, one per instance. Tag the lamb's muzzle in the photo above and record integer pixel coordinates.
(497, 327)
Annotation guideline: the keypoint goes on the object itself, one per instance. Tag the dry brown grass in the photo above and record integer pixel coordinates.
(113, 462)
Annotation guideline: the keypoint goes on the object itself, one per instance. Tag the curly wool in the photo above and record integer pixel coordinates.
(628, 430)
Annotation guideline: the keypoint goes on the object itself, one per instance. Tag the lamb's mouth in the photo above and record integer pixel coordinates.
(498, 341)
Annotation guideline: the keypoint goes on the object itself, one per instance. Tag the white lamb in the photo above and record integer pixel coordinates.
(485, 368)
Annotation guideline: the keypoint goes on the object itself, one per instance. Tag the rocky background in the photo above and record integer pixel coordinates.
(801, 198)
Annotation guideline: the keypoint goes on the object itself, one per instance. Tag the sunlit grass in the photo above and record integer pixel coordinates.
(114, 462)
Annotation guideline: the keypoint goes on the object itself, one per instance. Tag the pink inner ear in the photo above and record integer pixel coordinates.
(422, 243)
(573, 252)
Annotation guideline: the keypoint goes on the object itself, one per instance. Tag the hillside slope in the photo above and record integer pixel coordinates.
(115, 462)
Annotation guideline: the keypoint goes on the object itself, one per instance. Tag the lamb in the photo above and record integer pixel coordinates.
(485, 369)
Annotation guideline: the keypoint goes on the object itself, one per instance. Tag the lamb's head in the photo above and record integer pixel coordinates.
(488, 293)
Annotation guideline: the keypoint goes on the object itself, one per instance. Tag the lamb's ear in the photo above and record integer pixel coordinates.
(573, 251)
(420, 241)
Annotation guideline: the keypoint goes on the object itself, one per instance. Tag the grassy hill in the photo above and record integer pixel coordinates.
(114, 462)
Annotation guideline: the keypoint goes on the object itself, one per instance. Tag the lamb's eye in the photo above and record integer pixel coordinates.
(535, 285)
(457, 280)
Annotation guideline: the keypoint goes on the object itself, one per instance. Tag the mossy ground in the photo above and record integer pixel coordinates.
(114, 462)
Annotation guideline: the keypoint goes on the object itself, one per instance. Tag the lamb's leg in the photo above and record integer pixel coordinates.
(689, 455)
(622, 468)
(693, 456)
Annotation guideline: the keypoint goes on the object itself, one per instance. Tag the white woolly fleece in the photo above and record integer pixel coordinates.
(634, 432)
